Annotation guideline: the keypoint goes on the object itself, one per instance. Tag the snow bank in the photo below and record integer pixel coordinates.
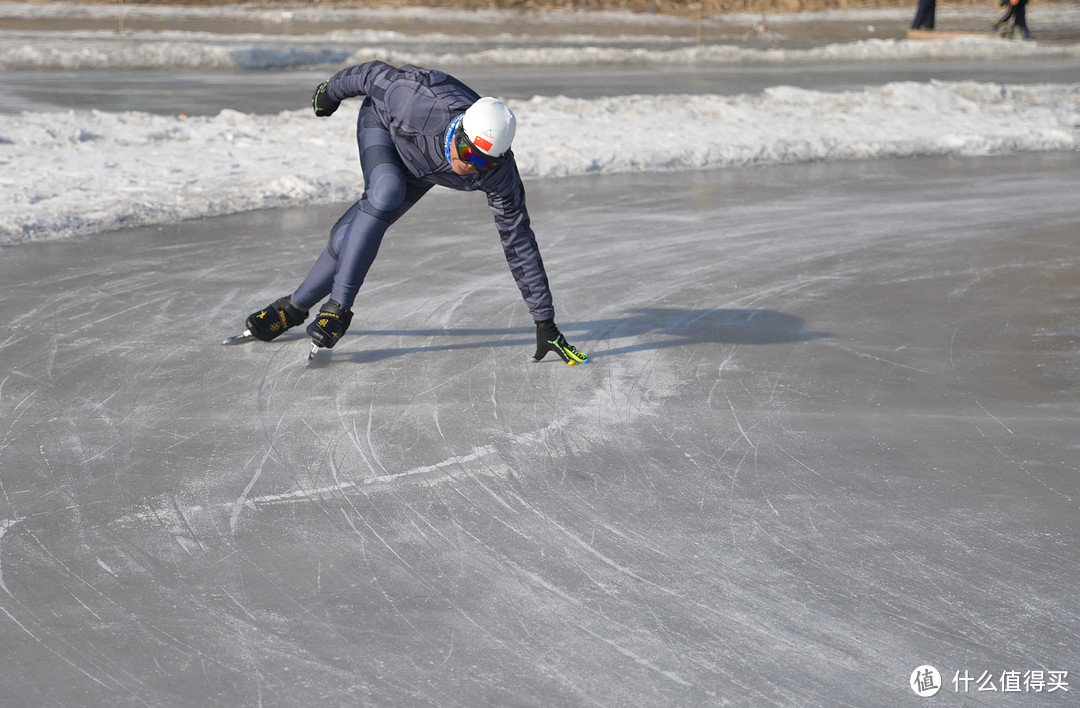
(200, 51)
(85, 171)
(291, 36)
(79, 172)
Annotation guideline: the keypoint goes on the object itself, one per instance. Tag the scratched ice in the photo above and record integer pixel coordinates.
(827, 434)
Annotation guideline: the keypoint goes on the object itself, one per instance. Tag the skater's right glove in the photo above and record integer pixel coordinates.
(550, 339)
(321, 101)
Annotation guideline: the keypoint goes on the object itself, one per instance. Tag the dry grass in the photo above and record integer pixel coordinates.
(676, 7)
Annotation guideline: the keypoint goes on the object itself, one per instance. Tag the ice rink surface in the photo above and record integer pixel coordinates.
(827, 435)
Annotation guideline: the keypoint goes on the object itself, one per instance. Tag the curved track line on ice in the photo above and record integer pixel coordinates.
(160, 509)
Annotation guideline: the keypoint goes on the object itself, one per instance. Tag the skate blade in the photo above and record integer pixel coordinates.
(244, 336)
(311, 354)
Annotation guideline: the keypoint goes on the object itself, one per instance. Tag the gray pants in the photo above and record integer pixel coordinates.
(355, 238)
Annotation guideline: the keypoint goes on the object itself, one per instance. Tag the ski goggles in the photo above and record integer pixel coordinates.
(470, 154)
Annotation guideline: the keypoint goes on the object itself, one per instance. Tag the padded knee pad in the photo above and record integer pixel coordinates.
(337, 234)
(385, 192)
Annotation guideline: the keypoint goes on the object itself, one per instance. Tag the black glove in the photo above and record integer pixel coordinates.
(321, 101)
(550, 339)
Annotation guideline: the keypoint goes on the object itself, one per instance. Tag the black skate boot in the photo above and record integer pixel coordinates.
(329, 324)
(271, 321)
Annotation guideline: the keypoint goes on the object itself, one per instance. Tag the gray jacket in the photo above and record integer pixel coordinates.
(417, 106)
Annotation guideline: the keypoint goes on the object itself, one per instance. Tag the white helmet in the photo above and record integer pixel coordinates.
(490, 126)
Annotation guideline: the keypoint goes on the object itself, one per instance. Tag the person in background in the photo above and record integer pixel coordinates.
(417, 128)
(924, 15)
(1016, 10)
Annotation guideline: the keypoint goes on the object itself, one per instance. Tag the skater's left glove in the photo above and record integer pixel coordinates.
(550, 339)
(321, 101)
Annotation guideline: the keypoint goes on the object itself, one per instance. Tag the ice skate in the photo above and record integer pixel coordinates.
(272, 321)
(330, 324)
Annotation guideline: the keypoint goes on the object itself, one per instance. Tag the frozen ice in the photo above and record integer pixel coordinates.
(827, 434)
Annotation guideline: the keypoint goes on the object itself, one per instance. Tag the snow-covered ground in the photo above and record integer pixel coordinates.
(84, 171)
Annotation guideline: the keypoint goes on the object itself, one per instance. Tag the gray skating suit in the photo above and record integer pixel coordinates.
(402, 134)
